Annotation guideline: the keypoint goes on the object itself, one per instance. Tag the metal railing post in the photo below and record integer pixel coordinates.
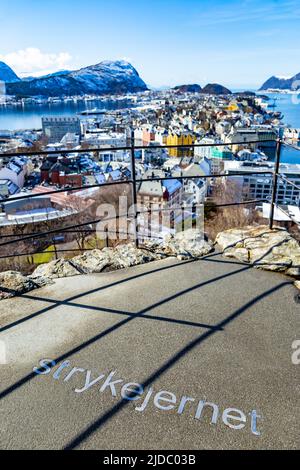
(55, 250)
(275, 181)
(133, 184)
(106, 237)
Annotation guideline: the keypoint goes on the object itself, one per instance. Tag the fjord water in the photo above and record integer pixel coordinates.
(29, 116)
(289, 106)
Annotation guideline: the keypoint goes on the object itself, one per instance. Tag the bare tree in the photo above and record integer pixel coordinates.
(223, 218)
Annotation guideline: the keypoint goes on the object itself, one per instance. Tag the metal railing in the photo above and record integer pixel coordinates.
(277, 175)
(133, 181)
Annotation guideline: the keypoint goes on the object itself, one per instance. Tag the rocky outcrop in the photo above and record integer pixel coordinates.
(274, 250)
(215, 89)
(13, 283)
(184, 245)
(57, 268)
(96, 261)
(190, 88)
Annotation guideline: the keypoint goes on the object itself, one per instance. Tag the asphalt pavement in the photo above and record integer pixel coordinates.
(168, 355)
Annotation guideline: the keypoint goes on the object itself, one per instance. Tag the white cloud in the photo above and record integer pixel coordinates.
(32, 61)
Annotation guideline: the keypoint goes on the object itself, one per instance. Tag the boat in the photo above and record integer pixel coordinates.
(87, 112)
(273, 105)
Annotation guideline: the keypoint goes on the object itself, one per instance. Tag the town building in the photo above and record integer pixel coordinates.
(55, 128)
(2, 92)
(265, 135)
(248, 155)
(70, 140)
(223, 128)
(15, 171)
(98, 138)
(62, 171)
(7, 188)
(154, 155)
(180, 139)
(259, 186)
(113, 156)
(204, 152)
(291, 134)
(194, 190)
(218, 155)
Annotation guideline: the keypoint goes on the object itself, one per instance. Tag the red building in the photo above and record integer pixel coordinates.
(61, 172)
(148, 136)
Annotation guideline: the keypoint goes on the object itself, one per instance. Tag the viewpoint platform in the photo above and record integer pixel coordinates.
(168, 355)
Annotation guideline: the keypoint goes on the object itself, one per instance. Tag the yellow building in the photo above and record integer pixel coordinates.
(233, 106)
(180, 139)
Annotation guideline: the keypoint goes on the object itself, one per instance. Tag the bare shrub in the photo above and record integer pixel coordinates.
(227, 217)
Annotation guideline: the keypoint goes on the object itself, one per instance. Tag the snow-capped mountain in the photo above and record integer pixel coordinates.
(54, 74)
(7, 74)
(282, 83)
(107, 77)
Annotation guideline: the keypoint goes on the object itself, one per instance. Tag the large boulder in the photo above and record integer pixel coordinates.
(124, 256)
(92, 261)
(297, 284)
(57, 268)
(14, 283)
(96, 261)
(111, 259)
(274, 250)
(189, 244)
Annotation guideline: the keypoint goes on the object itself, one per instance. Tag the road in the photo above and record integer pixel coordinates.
(207, 343)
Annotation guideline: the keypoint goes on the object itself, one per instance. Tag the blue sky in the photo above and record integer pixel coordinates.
(237, 43)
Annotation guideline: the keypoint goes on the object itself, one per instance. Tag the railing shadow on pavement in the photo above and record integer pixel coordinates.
(69, 302)
(139, 314)
(97, 424)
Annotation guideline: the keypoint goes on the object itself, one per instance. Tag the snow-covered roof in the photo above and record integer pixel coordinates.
(172, 185)
(284, 214)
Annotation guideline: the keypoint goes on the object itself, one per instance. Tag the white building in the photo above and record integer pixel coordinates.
(291, 134)
(259, 186)
(15, 171)
(70, 139)
(2, 92)
(161, 135)
(248, 155)
(194, 190)
(138, 133)
(203, 152)
(223, 128)
(114, 156)
(105, 139)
